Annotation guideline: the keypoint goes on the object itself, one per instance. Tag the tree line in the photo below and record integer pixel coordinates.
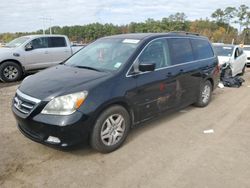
(219, 28)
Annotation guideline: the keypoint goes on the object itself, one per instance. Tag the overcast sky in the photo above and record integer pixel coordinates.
(25, 15)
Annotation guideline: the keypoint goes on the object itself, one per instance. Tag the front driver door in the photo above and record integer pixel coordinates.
(156, 90)
(38, 57)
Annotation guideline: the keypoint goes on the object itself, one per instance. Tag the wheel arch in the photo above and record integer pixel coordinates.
(13, 60)
(211, 81)
(119, 102)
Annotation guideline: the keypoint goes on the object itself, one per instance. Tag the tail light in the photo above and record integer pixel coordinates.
(217, 69)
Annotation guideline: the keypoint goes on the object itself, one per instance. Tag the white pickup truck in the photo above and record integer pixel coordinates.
(33, 52)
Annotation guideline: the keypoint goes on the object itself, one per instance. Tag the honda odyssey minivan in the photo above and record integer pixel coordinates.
(113, 84)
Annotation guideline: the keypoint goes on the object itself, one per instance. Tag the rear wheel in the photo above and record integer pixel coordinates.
(205, 94)
(10, 71)
(111, 129)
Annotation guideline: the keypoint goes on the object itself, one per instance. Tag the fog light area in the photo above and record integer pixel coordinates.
(53, 139)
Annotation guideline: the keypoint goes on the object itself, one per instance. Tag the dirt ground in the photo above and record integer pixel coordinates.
(171, 151)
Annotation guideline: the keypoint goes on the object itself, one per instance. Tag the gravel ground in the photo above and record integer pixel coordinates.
(171, 151)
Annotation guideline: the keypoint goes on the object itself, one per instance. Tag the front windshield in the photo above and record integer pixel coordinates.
(107, 54)
(16, 42)
(223, 50)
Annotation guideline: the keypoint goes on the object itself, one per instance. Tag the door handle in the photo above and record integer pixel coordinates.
(46, 52)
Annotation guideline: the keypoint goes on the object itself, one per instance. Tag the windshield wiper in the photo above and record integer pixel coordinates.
(86, 67)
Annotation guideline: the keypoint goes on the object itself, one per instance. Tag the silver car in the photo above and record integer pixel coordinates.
(233, 55)
(31, 53)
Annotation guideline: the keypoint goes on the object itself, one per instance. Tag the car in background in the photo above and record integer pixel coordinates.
(32, 53)
(2, 44)
(246, 49)
(233, 55)
(113, 84)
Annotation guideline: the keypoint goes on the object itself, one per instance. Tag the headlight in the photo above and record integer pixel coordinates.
(65, 105)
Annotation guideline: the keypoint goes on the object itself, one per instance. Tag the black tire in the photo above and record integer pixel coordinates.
(201, 102)
(17, 71)
(96, 141)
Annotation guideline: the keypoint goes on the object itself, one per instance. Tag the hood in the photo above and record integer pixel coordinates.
(223, 59)
(4, 50)
(57, 81)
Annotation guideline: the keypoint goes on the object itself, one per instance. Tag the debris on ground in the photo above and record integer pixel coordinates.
(208, 131)
(227, 79)
(221, 85)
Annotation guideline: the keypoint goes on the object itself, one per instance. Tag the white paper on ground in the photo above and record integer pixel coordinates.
(220, 85)
(208, 131)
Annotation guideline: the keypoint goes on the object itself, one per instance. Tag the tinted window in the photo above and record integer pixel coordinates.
(40, 43)
(201, 49)
(57, 42)
(180, 50)
(156, 52)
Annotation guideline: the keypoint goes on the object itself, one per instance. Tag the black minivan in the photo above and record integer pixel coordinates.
(113, 84)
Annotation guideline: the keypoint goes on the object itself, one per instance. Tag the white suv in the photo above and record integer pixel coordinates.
(247, 51)
(233, 55)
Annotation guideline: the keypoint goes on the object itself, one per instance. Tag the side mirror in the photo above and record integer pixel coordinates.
(147, 67)
(28, 47)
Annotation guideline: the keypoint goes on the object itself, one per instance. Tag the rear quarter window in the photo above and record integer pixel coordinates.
(201, 49)
(180, 50)
(55, 42)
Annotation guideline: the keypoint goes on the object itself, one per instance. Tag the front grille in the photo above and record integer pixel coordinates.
(24, 103)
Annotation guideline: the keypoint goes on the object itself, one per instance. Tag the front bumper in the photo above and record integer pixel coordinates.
(248, 61)
(40, 127)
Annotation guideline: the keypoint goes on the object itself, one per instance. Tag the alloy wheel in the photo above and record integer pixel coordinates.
(206, 93)
(10, 72)
(113, 129)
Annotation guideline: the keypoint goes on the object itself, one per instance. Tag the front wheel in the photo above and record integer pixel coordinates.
(10, 71)
(111, 129)
(205, 94)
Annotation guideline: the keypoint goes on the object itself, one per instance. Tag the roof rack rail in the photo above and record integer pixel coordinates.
(184, 33)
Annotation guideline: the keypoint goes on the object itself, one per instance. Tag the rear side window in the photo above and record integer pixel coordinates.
(202, 49)
(180, 50)
(55, 42)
